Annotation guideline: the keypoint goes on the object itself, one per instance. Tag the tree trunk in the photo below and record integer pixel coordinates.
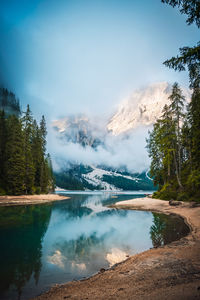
(177, 173)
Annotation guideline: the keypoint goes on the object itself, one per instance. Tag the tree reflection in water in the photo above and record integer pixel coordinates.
(83, 236)
(22, 230)
(165, 230)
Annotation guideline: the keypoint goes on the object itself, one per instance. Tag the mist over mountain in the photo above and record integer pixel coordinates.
(116, 142)
(142, 108)
(79, 129)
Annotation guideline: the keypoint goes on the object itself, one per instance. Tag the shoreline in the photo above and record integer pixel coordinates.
(167, 272)
(30, 199)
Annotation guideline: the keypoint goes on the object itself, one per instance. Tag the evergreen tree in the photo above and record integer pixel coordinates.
(194, 117)
(194, 131)
(176, 106)
(43, 133)
(167, 142)
(165, 145)
(174, 148)
(50, 173)
(153, 146)
(37, 155)
(24, 165)
(189, 7)
(186, 149)
(15, 160)
(44, 179)
(161, 148)
(3, 139)
(189, 56)
(27, 122)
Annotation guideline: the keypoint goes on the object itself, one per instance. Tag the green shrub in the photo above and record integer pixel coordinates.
(2, 192)
(183, 197)
(166, 193)
(38, 190)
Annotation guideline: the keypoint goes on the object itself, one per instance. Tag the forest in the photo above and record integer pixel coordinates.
(174, 142)
(174, 148)
(25, 167)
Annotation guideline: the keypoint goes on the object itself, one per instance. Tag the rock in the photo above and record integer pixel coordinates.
(174, 203)
(102, 270)
(194, 204)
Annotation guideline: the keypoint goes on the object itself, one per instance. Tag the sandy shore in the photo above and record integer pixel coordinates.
(29, 199)
(169, 272)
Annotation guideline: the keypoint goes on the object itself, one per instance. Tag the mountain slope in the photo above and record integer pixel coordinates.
(99, 178)
(142, 108)
(115, 142)
(78, 130)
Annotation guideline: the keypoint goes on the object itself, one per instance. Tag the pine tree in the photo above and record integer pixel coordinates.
(27, 122)
(194, 131)
(153, 146)
(44, 179)
(15, 159)
(37, 155)
(194, 117)
(189, 7)
(51, 183)
(43, 133)
(24, 165)
(167, 142)
(189, 56)
(162, 145)
(161, 148)
(174, 148)
(176, 106)
(3, 139)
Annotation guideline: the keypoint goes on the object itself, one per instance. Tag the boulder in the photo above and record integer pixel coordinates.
(174, 203)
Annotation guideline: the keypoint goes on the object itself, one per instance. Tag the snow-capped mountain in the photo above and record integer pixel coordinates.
(142, 108)
(78, 129)
(87, 143)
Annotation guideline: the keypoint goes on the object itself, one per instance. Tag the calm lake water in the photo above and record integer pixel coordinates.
(42, 245)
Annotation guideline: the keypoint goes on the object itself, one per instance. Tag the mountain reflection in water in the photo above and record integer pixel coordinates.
(42, 245)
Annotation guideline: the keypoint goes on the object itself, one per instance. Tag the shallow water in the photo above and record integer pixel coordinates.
(42, 245)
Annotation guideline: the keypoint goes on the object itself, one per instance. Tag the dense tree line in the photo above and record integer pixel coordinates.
(174, 143)
(25, 168)
(174, 148)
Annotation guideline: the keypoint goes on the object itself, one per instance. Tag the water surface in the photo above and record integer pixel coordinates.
(42, 245)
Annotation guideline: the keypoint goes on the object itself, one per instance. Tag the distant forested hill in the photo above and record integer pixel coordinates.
(81, 177)
(9, 103)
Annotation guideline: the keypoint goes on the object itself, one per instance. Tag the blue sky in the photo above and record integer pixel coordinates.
(66, 57)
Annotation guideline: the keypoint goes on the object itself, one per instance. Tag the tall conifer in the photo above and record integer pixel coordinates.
(27, 122)
(15, 159)
(3, 138)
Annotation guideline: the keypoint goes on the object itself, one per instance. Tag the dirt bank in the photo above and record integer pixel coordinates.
(169, 272)
(29, 199)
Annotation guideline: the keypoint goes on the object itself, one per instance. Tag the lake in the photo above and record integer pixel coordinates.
(42, 245)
